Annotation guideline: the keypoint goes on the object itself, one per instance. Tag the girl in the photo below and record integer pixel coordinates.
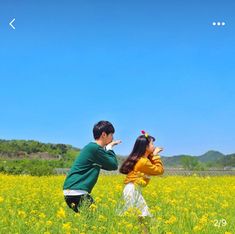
(142, 163)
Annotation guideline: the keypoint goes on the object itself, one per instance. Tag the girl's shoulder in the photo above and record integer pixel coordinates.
(141, 162)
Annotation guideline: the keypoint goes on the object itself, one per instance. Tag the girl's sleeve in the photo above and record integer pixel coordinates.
(153, 166)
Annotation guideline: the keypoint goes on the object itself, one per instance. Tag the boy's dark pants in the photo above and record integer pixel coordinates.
(74, 202)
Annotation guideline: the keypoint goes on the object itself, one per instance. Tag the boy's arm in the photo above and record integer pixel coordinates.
(106, 159)
(153, 166)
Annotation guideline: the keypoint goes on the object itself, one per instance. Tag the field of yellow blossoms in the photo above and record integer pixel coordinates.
(179, 204)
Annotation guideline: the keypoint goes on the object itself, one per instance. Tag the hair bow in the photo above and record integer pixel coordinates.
(145, 133)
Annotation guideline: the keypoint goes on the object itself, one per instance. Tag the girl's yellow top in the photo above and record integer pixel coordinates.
(143, 169)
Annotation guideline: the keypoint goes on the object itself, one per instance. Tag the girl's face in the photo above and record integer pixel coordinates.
(150, 147)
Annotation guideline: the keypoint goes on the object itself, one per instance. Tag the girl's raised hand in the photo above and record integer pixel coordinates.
(157, 150)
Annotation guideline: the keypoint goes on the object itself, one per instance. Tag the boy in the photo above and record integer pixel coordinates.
(84, 173)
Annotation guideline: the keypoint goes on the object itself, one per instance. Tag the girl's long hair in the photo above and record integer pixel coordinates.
(138, 151)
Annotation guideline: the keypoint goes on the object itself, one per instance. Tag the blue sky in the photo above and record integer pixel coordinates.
(160, 66)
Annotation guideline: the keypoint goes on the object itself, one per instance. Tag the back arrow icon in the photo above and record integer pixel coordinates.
(12, 24)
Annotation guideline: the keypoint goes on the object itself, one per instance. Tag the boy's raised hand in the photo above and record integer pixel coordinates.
(157, 150)
(113, 143)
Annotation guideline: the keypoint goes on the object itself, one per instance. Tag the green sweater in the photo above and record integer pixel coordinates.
(84, 173)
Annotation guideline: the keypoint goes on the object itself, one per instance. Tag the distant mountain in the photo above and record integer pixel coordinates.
(227, 161)
(173, 161)
(30, 149)
(211, 156)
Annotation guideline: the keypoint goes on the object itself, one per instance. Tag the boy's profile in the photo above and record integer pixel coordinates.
(85, 170)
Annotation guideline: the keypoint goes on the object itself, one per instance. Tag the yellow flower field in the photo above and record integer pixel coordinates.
(179, 204)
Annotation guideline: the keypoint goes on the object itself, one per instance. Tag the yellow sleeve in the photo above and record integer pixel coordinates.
(153, 167)
(154, 158)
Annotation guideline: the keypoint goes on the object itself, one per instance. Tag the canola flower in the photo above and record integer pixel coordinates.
(179, 205)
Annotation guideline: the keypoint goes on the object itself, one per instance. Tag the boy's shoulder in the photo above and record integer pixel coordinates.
(92, 146)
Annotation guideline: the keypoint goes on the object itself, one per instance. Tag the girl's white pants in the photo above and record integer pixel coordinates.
(133, 199)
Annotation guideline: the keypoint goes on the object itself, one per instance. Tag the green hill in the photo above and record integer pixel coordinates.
(227, 161)
(173, 161)
(211, 156)
(18, 149)
(37, 158)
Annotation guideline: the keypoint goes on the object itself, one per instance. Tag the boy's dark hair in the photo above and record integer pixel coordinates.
(138, 151)
(102, 126)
